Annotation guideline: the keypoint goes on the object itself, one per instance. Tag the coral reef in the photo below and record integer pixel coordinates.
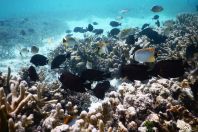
(157, 104)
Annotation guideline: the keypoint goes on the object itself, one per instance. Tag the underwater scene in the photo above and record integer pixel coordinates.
(98, 65)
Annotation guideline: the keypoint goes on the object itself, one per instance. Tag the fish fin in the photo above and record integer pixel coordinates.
(151, 59)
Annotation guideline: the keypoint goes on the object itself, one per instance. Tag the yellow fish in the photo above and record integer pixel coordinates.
(145, 55)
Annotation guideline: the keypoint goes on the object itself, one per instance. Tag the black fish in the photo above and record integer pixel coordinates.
(39, 60)
(154, 36)
(58, 60)
(145, 25)
(101, 88)
(114, 32)
(94, 75)
(135, 72)
(79, 29)
(169, 68)
(155, 17)
(130, 40)
(33, 74)
(157, 23)
(114, 24)
(95, 23)
(90, 28)
(73, 82)
(191, 50)
(98, 31)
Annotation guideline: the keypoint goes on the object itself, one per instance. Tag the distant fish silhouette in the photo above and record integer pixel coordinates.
(89, 28)
(156, 17)
(79, 29)
(98, 31)
(39, 60)
(157, 8)
(114, 24)
(95, 23)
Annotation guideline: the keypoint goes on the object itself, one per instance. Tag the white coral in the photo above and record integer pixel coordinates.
(183, 126)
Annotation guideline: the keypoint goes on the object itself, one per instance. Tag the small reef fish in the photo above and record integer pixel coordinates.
(68, 31)
(156, 17)
(34, 49)
(135, 72)
(94, 75)
(145, 25)
(58, 60)
(157, 8)
(79, 30)
(153, 36)
(98, 31)
(89, 28)
(169, 68)
(101, 88)
(39, 60)
(73, 82)
(114, 24)
(157, 23)
(33, 74)
(69, 41)
(114, 32)
(130, 40)
(145, 55)
(95, 23)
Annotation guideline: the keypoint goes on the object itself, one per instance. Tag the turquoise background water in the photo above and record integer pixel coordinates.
(76, 9)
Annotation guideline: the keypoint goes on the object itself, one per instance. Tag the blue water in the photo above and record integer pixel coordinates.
(76, 9)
